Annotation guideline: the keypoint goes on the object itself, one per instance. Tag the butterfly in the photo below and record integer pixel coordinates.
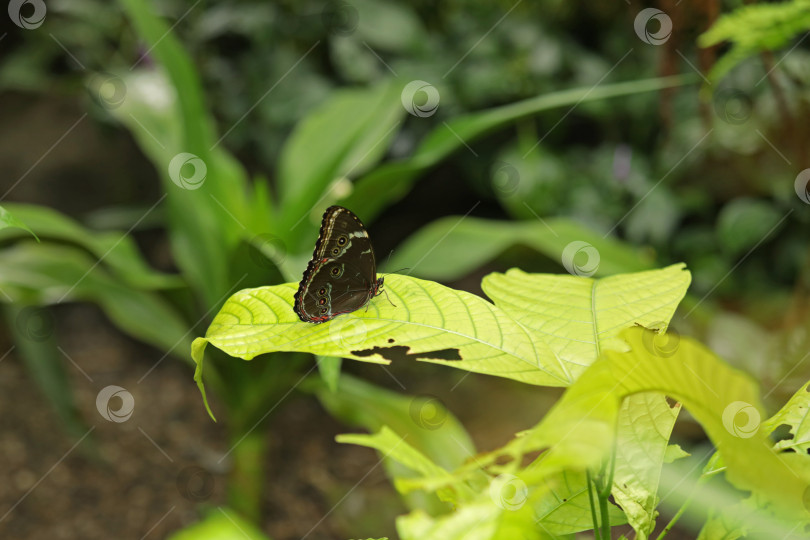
(342, 275)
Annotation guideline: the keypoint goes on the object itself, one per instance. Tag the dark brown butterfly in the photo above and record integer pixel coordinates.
(342, 275)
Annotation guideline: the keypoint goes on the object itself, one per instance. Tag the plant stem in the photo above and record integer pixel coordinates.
(677, 516)
(596, 532)
(246, 480)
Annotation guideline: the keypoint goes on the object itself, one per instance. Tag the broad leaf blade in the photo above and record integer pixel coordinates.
(579, 317)
(645, 422)
(427, 322)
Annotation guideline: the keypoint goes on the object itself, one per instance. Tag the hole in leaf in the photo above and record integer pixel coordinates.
(401, 353)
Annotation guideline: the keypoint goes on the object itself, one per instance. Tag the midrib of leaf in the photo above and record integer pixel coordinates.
(595, 318)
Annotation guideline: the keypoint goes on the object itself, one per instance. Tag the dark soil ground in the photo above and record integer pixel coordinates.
(129, 479)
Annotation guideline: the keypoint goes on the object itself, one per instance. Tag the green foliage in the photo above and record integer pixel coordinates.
(221, 524)
(442, 250)
(427, 321)
(579, 433)
(755, 28)
(7, 220)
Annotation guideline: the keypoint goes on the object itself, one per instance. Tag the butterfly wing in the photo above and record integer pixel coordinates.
(341, 277)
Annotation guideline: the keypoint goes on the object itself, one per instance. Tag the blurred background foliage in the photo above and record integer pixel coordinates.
(702, 173)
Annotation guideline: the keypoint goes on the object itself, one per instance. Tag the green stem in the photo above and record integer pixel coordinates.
(246, 481)
(603, 508)
(596, 532)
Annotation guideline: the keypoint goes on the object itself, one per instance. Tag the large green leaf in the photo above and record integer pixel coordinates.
(426, 321)
(451, 247)
(115, 250)
(48, 274)
(346, 135)
(579, 317)
(645, 422)
(386, 184)
(544, 329)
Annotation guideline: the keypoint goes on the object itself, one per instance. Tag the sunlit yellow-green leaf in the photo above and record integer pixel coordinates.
(643, 428)
(579, 430)
(580, 317)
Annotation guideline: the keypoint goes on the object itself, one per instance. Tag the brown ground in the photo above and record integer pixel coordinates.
(124, 486)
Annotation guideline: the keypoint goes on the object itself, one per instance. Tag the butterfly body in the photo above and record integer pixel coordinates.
(341, 277)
